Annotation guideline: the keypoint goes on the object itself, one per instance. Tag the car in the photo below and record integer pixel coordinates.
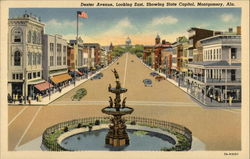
(147, 82)
(97, 76)
(154, 74)
(159, 78)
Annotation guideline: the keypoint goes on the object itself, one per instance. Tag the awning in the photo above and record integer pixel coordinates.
(43, 86)
(60, 78)
(80, 73)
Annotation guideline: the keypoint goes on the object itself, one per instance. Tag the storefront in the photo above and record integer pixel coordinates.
(43, 88)
(62, 80)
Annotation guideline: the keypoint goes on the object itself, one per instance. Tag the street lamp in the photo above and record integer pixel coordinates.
(49, 86)
(24, 86)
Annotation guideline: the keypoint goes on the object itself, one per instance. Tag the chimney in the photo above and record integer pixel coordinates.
(238, 30)
(230, 30)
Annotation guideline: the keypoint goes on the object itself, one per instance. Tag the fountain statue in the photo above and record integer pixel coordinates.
(117, 135)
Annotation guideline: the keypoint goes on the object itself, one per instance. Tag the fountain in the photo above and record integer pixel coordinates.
(117, 135)
(122, 133)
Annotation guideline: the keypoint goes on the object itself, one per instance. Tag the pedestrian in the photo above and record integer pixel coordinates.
(29, 100)
(20, 99)
(37, 97)
(230, 99)
(211, 98)
(14, 98)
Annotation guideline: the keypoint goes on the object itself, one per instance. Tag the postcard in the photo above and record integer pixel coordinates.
(124, 79)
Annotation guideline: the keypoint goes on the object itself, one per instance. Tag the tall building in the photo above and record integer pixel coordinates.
(194, 35)
(219, 74)
(55, 66)
(24, 54)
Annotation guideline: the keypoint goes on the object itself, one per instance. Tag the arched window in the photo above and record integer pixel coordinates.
(34, 37)
(29, 37)
(17, 58)
(17, 35)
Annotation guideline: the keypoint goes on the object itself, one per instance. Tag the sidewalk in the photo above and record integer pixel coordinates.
(207, 103)
(47, 100)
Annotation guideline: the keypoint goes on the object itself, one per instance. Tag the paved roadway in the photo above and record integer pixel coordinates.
(219, 129)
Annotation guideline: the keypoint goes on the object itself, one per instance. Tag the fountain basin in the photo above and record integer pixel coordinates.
(113, 111)
(142, 139)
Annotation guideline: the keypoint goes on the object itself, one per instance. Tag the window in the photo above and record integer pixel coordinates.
(17, 36)
(38, 58)
(233, 53)
(59, 48)
(51, 60)
(64, 49)
(38, 38)
(34, 59)
(38, 74)
(13, 76)
(29, 58)
(34, 37)
(59, 60)
(29, 37)
(64, 60)
(29, 76)
(17, 58)
(233, 75)
(34, 74)
(51, 46)
(21, 76)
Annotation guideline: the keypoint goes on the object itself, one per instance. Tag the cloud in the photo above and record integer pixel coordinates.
(227, 17)
(65, 26)
(125, 22)
(164, 20)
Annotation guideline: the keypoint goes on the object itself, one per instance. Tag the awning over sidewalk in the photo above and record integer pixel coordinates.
(80, 73)
(60, 78)
(43, 86)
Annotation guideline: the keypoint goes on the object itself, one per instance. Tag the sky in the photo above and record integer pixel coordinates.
(106, 25)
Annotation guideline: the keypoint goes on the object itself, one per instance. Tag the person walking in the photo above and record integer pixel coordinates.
(29, 100)
(211, 98)
(37, 96)
(230, 99)
(14, 98)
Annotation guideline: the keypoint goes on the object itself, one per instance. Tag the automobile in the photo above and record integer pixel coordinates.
(159, 78)
(100, 74)
(154, 74)
(147, 82)
(97, 76)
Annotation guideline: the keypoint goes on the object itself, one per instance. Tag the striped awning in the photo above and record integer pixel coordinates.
(60, 78)
(43, 86)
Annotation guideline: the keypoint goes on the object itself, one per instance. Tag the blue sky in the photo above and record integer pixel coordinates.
(106, 25)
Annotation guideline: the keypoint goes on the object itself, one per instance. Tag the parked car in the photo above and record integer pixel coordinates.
(147, 82)
(97, 76)
(159, 78)
(154, 74)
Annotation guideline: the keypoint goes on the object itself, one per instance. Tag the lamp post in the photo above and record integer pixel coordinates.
(49, 86)
(24, 86)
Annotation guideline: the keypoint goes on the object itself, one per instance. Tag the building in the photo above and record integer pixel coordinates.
(156, 54)
(218, 76)
(128, 42)
(55, 68)
(194, 35)
(94, 54)
(24, 54)
(167, 61)
(147, 52)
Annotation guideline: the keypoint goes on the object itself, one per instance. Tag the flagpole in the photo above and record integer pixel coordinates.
(77, 47)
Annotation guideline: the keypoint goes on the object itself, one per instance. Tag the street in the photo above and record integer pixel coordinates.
(219, 129)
